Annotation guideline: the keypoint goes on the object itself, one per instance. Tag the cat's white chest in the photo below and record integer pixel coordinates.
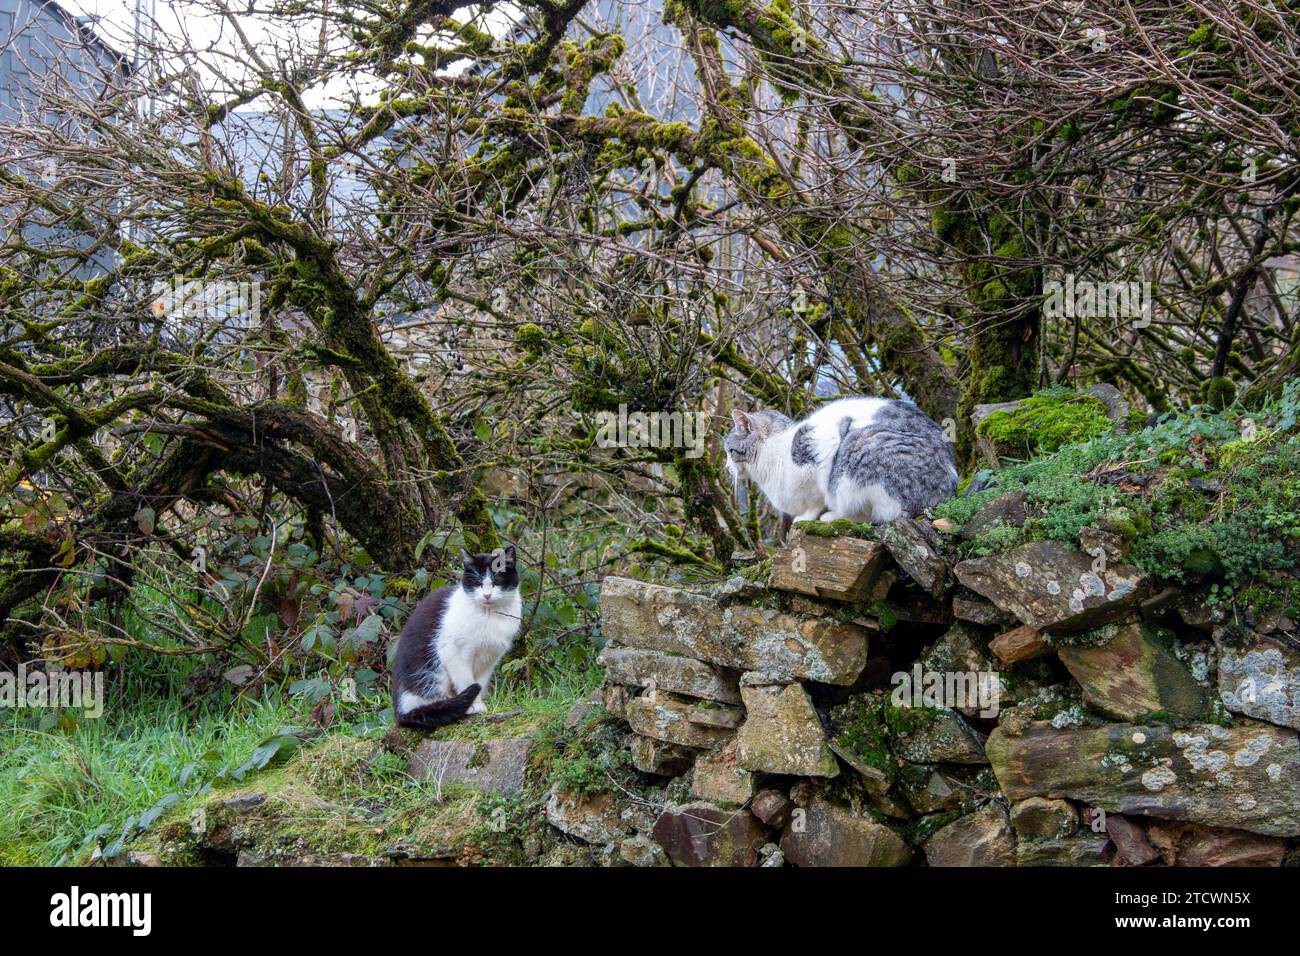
(478, 633)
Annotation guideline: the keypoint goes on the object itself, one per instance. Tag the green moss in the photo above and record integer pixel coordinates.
(867, 722)
(1046, 422)
(531, 336)
(839, 528)
(759, 572)
(863, 731)
(588, 758)
(1235, 454)
(1195, 499)
(338, 797)
(917, 832)
(1219, 392)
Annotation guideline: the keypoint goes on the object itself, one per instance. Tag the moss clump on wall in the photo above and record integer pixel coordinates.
(839, 528)
(866, 722)
(1046, 422)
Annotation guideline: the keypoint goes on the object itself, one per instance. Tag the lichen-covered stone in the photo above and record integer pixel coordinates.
(701, 834)
(496, 766)
(982, 838)
(720, 779)
(1133, 671)
(672, 672)
(667, 717)
(745, 637)
(825, 833)
(1244, 777)
(1104, 545)
(839, 568)
(641, 851)
(1262, 681)
(1084, 849)
(960, 648)
(782, 733)
(1046, 819)
(590, 817)
(911, 544)
(770, 855)
(939, 736)
(1054, 587)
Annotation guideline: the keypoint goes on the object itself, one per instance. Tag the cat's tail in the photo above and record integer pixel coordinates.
(441, 712)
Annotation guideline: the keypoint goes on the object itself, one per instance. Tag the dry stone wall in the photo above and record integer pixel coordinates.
(872, 702)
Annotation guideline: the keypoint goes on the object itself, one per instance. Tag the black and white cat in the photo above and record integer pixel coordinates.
(865, 459)
(453, 641)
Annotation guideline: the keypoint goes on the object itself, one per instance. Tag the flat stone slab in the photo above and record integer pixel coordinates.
(782, 733)
(1023, 643)
(1084, 849)
(681, 722)
(701, 834)
(982, 838)
(741, 636)
(842, 569)
(1207, 846)
(1132, 672)
(590, 817)
(496, 766)
(974, 609)
(1054, 587)
(1245, 777)
(825, 833)
(912, 543)
(681, 675)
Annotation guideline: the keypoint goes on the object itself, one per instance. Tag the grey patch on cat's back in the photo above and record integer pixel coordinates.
(802, 451)
(903, 452)
(904, 416)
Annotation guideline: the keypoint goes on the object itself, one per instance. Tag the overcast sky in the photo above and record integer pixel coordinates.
(174, 19)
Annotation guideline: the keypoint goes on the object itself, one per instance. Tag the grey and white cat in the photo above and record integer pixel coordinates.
(865, 459)
(453, 641)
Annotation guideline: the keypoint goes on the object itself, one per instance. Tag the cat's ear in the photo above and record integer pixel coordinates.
(510, 554)
(466, 558)
(743, 421)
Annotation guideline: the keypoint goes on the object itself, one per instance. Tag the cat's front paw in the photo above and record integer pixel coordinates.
(477, 707)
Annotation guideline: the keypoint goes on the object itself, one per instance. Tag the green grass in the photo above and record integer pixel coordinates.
(70, 787)
(59, 786)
